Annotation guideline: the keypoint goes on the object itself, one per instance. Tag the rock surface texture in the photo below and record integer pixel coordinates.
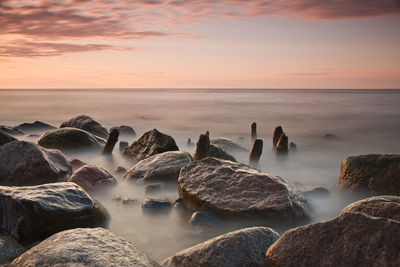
(25, 163)
(244, 247)
(88, 124)
(234, 189)
(35, 127)
(84, 247)
(6, 138)
(9, 249)
(93, 178)
(228, 145)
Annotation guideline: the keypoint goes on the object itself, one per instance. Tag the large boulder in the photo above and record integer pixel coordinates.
(88, 124)
(228, 145)
(93, 178)
(9, 249)
(32, 213)
(70, 139)
(244, 247)
(150, 143)
(371, 174)
(11, 130)
(84, 247)
(230, 188)
(352, 239)
(35, 127)
(164, 166)
(6, 138)
(25, 163)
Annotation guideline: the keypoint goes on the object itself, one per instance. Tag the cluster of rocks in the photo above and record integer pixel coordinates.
(280, 143)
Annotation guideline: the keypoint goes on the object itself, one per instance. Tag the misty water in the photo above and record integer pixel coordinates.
(363, 122)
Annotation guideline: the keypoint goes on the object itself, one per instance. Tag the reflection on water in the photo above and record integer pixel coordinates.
(362, 121)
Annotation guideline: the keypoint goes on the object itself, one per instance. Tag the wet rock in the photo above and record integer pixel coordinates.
(253, 131)
(244, 247)
(31, 213)
(203, 218)
(352, 239)
(379, 206)
(152, 188)
(189, 143)
(111, 141)
(125, 131)
(228, 145)
(25, 163)
(255, 152)
(35, 127)
(164, 166)
(6, 138)
(71, 139)
(234, 189)
(11, 130)
(292, 147)
(317, 191)
(84, 247)
(120, 170)
(282, 147)
(156, 206)
(150, 143)
(9, 249)
(88, 124)
(76, 164)
(207, 133)
(202, 147)
(122, 146)
(371, 174)
(277, 134)
(330, 136)
(219, 153)
(180, 205)
(124, 200)
(93, 178)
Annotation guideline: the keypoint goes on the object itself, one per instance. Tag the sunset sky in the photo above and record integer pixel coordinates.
(200, 44)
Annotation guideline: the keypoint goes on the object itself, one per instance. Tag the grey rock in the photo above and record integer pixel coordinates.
(93, 178)
(76, 164)
(228, 145)
(122, 146)
(124, 200)
(317, 191)
(255, 152)
(244, 247)
(219, 153)
(156, 206)
(11, 130)
(84, 247)
(152, 188)
(25, 163)
(35, 127)
(6, 138)
(9, 249)
(120, 169)
(32, 213)
(88, 124)
(203, 218)
(282, 147)
(125, 131)
(253, 131)
(292, 147)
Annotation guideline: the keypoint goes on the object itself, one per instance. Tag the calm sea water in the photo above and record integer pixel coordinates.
(364, 121)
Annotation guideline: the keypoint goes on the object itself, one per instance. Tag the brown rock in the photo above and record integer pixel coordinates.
(88, 124)
(253, 131)
(277, 134)
(120, 169)
(282, 147)
(76, 164)
(256, 152)
(111, 141)
(292, 147)
(93, 178)
(202, 147)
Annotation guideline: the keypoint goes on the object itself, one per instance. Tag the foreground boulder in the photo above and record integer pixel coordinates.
(150, 143)
(93, 178)
(228, 145)
(84, 247)
(244, 247)
(352, 239)
(9, 249)
(71, 139)
(229, 188)
(6, 138)
(88, 124)
(25, 163)
(32, 213)
(371, 174)
(164, 166)
(35, 127)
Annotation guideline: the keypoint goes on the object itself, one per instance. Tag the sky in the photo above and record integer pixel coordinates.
(312, 44)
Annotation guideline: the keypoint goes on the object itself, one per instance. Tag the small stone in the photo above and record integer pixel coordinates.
(203, 218)
(152, 188)
(253, 131)
(292, 147)
(120, 169)
(124, 200)
(122, 146)
(156, 206)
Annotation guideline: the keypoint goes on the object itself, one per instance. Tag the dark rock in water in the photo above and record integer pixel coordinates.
(189, 143)
(330, 136)
(71, 139)
(111, 141)
(35, 127)
(203, 218)
(379, 206)
(6, 138)
(219, 153)
(228, 145)
(25, 163)
(282, 147)
(93, 178)
(124, 200)
(11, 130)
(180, 205)
(32, 213)
(371, 174)
(120, 169)
(202, 147)
(245, 247)
(9, 249)
(88, 124)
(292, 147)
(84, 247)
(317, 191)
(352, 239)
(125, 131)
(255, 152)
(152, 188)
(164, 166)
(277, 134)
(76, 164)
(156, 206)
(150, 143)
(241, 139)
(234, 189)
(207, 133)
(122, 146)
(253, 131)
